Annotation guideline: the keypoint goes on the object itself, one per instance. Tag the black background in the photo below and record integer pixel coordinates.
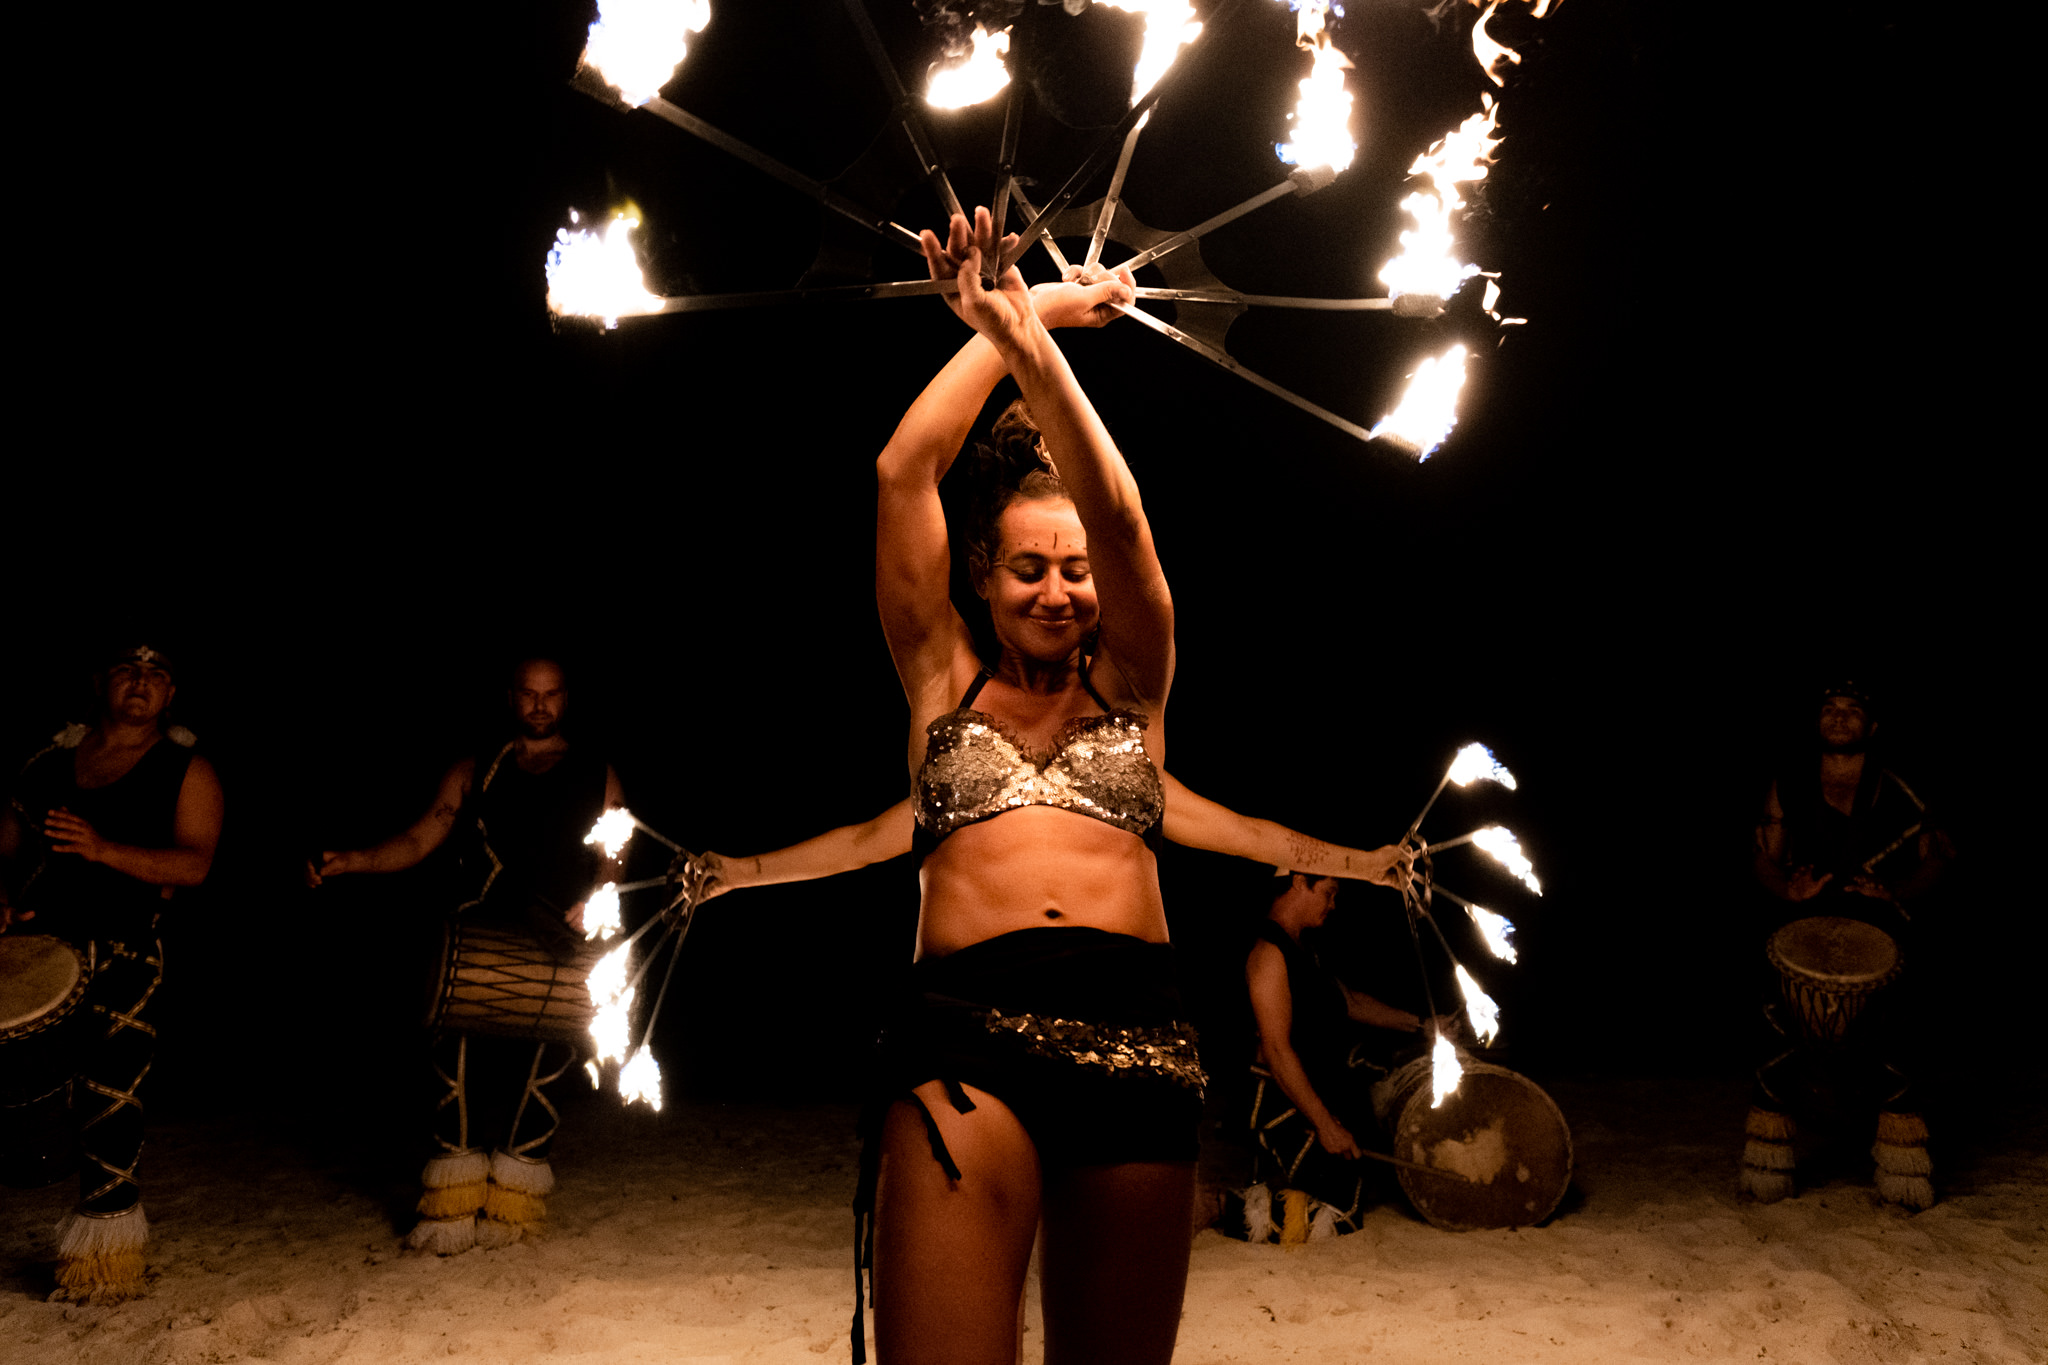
(316, 428)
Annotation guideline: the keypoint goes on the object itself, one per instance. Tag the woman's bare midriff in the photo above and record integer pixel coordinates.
(1034, 868)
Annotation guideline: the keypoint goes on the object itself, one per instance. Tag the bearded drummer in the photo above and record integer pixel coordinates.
(103, 825)
(1845, 840)
(530, 803)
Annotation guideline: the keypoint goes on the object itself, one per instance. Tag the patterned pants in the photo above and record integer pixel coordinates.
(494, 1093)
(116, 1050)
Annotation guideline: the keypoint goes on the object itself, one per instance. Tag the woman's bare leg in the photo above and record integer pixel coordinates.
(1116, 1262)
(950, 1256)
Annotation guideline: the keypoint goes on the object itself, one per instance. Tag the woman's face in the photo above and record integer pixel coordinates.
(1040, 593)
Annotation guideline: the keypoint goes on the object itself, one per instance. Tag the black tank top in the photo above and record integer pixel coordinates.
(1321, 1035)
(80, 901)
(532, 826)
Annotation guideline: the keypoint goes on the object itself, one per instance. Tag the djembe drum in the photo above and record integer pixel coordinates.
(503, 982)
(1499, 1131)
(1829, 968)
(42, 981)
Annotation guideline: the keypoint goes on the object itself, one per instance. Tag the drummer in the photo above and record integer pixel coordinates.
(102, 825)
(1306, 1021)
(1845, 836)
(530, 803)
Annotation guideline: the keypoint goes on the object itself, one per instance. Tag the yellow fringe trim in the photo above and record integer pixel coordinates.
(1767, 1187)
(510, 1206)
(1769, 1156)
(453, 1201)
(108, 1277)
(1914, 1191)
(1904, 1130)
(1768, 1123)
(1295, 1220)
(1895, 1160)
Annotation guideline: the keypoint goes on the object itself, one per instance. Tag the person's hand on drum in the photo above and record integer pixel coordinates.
(1337, 1140)
(10, 914)
(1865, 885)
(1802, 885)
(70, 834)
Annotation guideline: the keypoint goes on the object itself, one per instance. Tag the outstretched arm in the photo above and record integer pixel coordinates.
(396, 854)
(825, 855)
(1198, 822)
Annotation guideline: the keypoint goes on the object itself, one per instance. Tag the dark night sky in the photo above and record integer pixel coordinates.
(1723, 459)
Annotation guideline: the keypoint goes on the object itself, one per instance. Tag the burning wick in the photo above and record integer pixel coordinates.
(1427, 271)
(1444, 1072)
(611, 831)
(631, 41)
(596, 274)
(601, 912)
(1321, 121)
(640, 1079)
(1476, 762)
(1479, 1007)
(1502, 845)
(1429, 409)
(1170, 25)
(611, 1028)
(974, 78)
(1494, 929)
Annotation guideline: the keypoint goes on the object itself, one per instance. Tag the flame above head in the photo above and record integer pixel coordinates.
(1479, 1008)
(1322, 119)
(1508, 852)
(638, 44)
(1444, 1072)
(1476, 761)
(596, 274)
(1428, 263)
(974, 78)
(611, 831)
(640, 1079)
(601, 912)
(1495, 930)
(1170, 25)
(1429, 409)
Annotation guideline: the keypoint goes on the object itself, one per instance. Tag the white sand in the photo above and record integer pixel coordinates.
(718, 1234)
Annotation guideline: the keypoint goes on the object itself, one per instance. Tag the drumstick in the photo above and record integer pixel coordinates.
(1417, 1166)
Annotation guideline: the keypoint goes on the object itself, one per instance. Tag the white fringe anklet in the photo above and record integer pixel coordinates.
(99, 1256)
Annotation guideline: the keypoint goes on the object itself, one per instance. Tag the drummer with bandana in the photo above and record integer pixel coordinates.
(101, 827)
(1846, 838)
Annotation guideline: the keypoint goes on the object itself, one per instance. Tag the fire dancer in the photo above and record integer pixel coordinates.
(103, 825)
(1038, 1065)
(1844, 843)
(1305, 1017)
(530, 803)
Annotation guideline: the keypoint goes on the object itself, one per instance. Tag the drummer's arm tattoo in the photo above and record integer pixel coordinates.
(427, 833)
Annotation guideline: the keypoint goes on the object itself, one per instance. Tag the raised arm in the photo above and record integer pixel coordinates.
(427, 833)
(845, 849)
(1137, 609)
(1198, 822)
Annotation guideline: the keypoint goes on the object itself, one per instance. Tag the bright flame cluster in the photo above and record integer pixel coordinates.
(601, 912)
(596, 274)
(1476, 762)
(638, 44)
(1322, 119)
(1444, 1072)
(974, 78)
(1505, 850)
(1428, 264)
(1429, 409)
(1495, 930)
(614, 828)
(1479, 1007)
(640, 1079)
(1170, 25)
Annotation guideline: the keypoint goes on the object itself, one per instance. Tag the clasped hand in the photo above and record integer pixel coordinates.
(1008, 314)
(70, 834)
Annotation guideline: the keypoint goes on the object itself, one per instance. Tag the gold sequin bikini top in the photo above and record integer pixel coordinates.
(975, 768)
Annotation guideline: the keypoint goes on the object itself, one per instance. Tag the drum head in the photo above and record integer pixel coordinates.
(1503, 1134)
(1831, 948)
(37, 975)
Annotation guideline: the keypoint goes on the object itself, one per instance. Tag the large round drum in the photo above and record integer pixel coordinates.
(42, 982)
(1830, 967)
(1498, 1131)
(501, 981)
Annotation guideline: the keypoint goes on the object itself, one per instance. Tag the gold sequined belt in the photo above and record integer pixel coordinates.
(1165, 1050)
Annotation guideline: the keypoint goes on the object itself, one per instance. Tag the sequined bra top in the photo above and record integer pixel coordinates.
(974, 768)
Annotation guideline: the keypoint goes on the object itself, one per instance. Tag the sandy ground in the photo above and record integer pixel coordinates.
(722, 1234)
